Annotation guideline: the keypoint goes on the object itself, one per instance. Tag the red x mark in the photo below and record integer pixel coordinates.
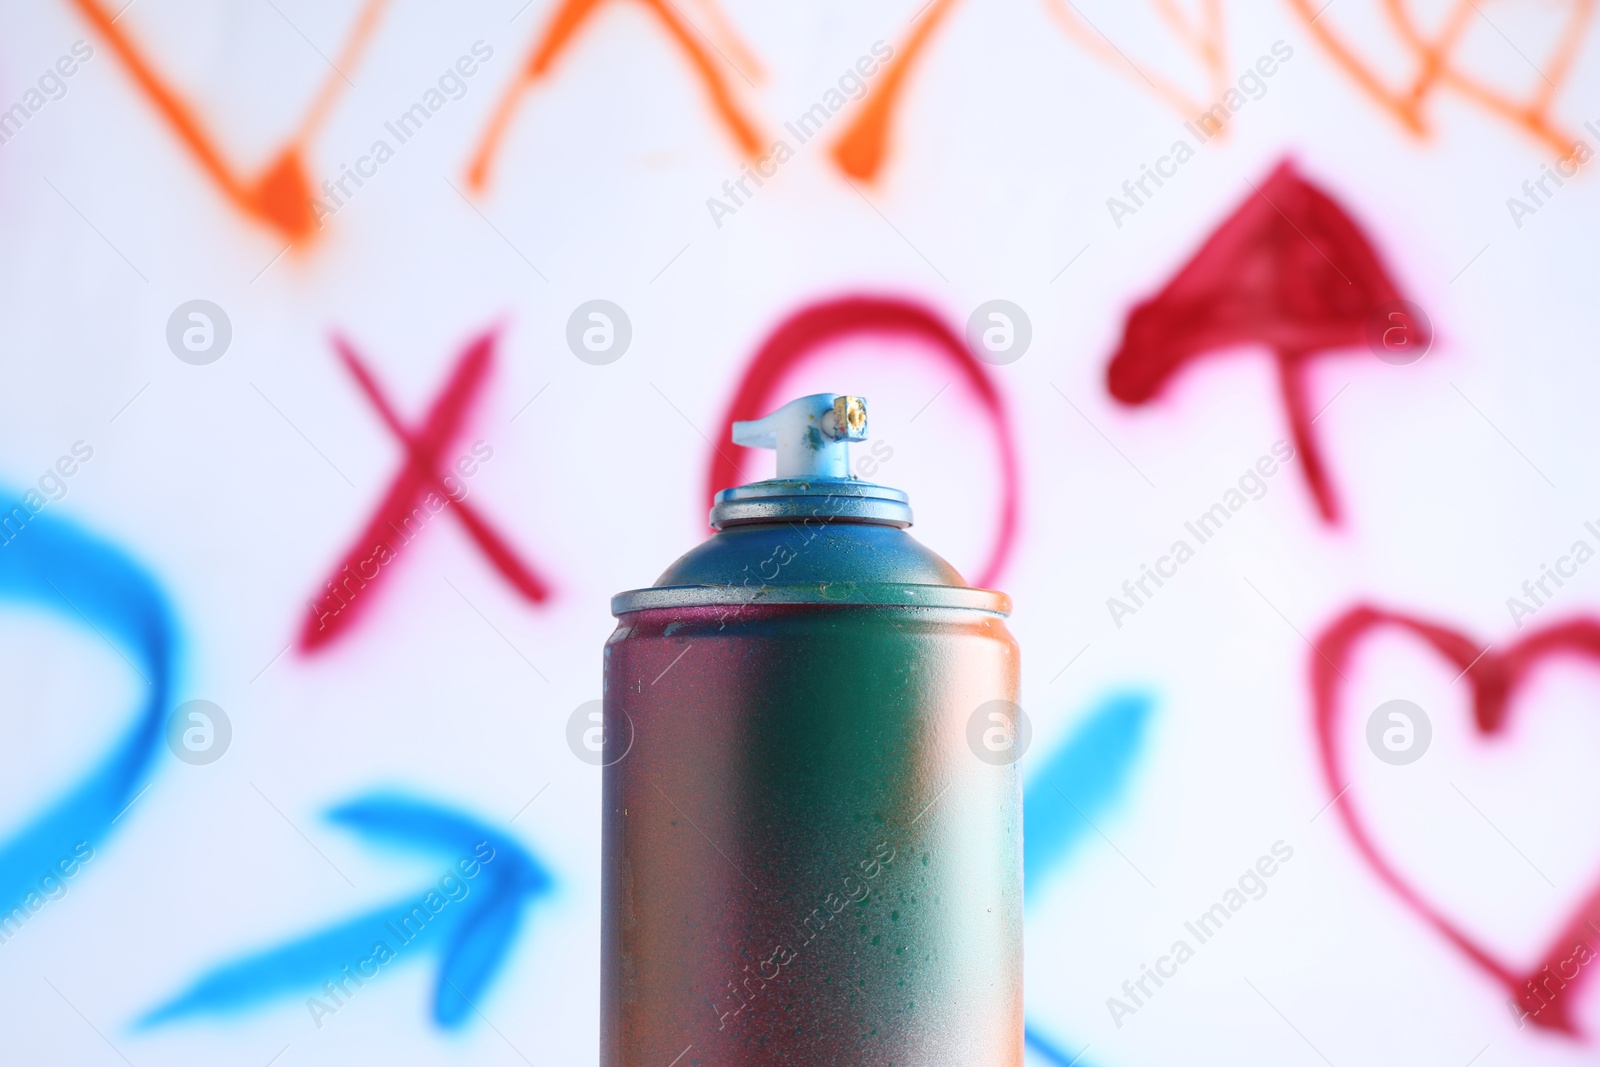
(409, 504)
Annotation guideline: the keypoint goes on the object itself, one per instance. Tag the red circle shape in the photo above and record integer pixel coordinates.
(827, 321)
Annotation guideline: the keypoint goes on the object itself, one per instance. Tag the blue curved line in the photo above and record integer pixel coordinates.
(52, 564)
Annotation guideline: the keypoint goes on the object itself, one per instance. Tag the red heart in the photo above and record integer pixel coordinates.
(1494, 677)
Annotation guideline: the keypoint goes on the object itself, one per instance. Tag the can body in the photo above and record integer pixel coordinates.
(805, 863)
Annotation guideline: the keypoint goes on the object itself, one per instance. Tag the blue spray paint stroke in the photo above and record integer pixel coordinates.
(53, 564)
(1050, 1051)
(473, 935)
(1086, 776)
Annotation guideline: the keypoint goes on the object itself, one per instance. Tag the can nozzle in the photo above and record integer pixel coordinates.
(811, 435)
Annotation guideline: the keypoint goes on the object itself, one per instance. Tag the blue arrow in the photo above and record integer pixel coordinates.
(1085, 777)
(53, 564)
(472, 932)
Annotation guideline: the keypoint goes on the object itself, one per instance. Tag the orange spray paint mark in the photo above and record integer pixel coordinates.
(860, 152)
(280, 196)
(1435, 68)
(561, 32)
(1204, 37)
(733, 48)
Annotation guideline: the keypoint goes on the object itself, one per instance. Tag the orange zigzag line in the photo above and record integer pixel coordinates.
(1435, 70)
(280, 196)
(1207, 44)
(863, 150)
(560, 33)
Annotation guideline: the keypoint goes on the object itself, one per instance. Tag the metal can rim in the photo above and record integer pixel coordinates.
(837, 594)
(829, 499)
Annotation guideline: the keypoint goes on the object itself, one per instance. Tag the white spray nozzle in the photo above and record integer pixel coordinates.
(812, 435)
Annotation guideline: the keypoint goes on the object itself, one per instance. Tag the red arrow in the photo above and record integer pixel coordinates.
(1290, 270)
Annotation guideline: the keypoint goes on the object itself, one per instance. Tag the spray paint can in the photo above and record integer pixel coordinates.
(812, 839)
